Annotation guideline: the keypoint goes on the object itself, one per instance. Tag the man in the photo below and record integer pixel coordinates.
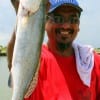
(67, 70)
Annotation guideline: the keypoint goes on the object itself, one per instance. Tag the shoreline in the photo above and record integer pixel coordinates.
(3, 54)
(3, 51)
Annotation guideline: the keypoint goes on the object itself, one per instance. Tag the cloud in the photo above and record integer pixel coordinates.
(90, 22)
(4, 38)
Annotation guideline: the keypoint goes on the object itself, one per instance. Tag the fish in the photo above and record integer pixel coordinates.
(29, 37)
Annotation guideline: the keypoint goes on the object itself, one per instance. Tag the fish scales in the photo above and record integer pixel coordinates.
(29, 37)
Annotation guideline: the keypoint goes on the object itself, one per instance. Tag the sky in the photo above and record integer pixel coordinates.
(89, 22)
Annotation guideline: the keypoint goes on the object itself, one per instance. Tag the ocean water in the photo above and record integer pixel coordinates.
(5, 91)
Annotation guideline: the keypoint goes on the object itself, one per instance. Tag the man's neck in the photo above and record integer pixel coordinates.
(68, 52)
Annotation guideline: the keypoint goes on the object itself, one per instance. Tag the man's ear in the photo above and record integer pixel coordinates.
(78, 27)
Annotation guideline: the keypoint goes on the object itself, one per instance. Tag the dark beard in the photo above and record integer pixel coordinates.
(62, 46)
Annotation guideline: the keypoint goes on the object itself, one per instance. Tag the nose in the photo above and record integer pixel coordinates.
(66, 25)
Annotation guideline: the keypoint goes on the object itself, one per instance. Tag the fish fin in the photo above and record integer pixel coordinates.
(33, 83)
(10, 81)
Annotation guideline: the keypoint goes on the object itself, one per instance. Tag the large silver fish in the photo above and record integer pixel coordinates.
(29, 37)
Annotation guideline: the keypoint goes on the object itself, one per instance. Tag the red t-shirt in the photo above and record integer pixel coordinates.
(59, 80)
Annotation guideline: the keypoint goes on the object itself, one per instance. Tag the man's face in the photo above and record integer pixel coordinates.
(62, 27)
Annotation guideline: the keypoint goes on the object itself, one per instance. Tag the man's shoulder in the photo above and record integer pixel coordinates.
(97, 57)
(97, 61)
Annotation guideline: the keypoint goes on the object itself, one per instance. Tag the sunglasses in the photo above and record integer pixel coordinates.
(59, 19)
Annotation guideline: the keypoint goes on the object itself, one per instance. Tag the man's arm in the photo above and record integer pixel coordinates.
(15, 4)
(11, 43)
(10, 48)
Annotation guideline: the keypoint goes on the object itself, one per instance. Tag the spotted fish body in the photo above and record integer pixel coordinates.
(29, 37)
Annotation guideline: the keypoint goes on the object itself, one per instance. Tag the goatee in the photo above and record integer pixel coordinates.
(63, 46)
